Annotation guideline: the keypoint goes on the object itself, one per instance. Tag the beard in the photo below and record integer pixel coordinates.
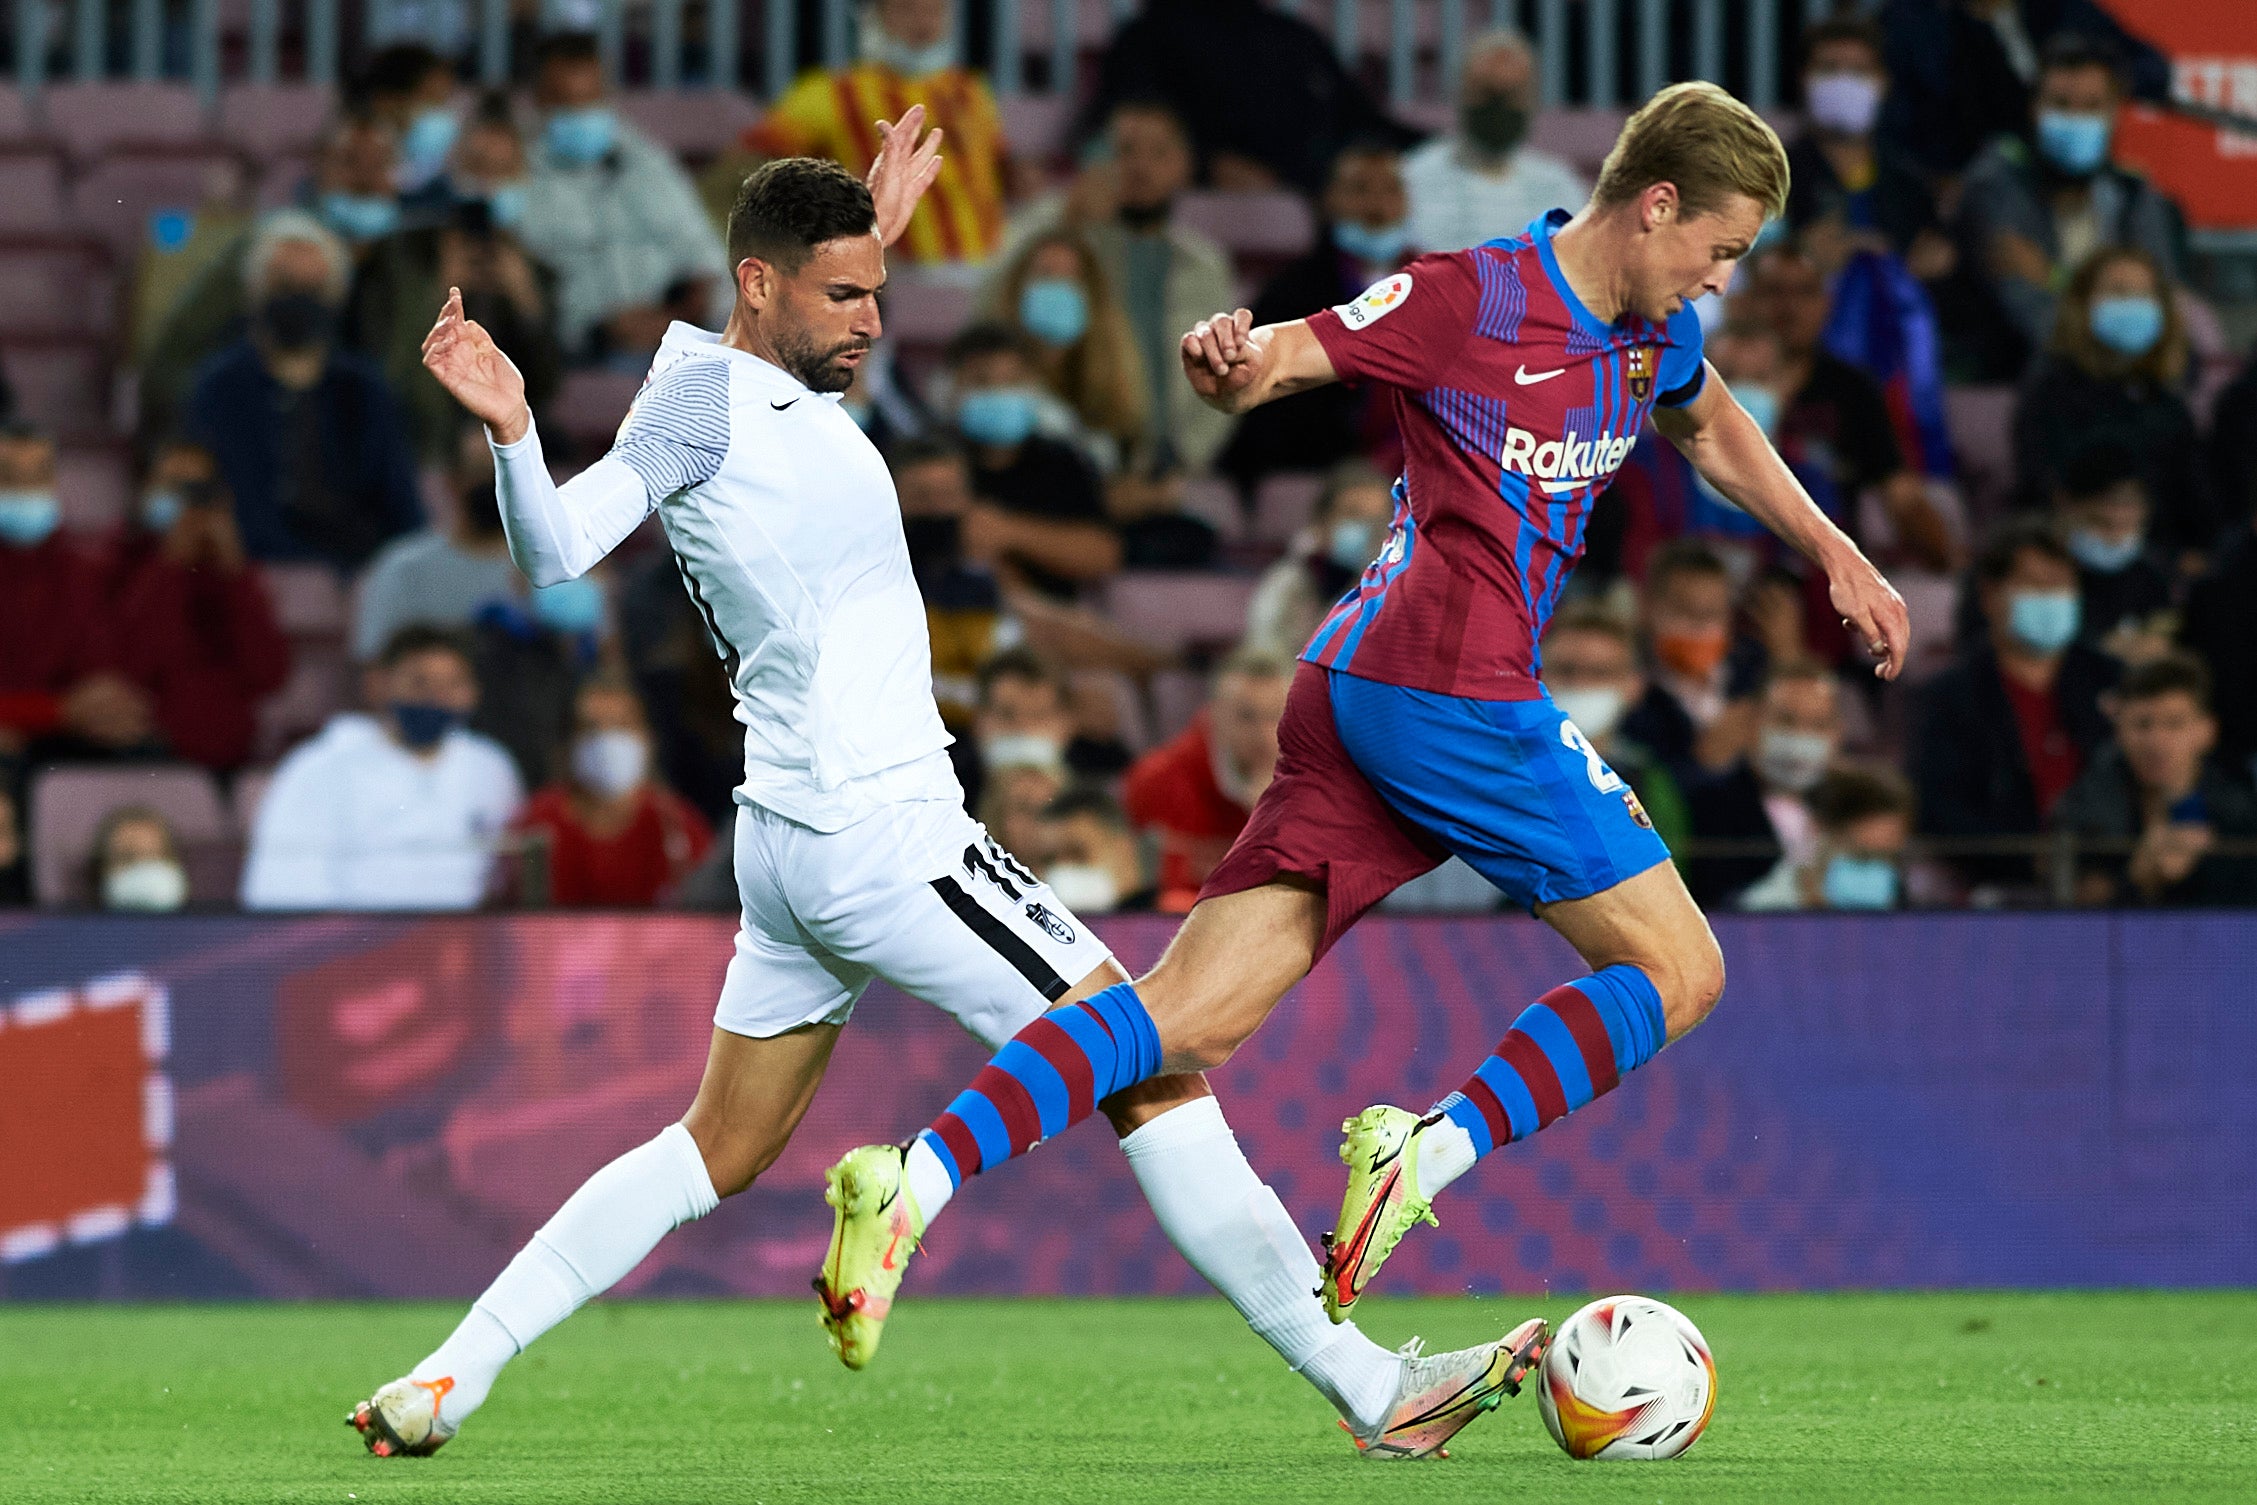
(817, 366)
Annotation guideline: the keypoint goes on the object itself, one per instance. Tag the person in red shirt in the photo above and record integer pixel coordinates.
(1197, 789)
(60, 692)
(610, 835)
(192, 623)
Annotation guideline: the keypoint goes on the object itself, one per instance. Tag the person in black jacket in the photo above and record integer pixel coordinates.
(2221, 627)
(1846, 181)
(2004, 732)
(2124, 591)
(1364, 236)
(2233, 448)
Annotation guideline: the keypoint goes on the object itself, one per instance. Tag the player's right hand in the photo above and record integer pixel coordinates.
(1222, 359)
(468, 363)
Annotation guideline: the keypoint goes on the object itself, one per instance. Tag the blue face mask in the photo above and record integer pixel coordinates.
(570, 606)
(1350, 545)
(579, 137)
(505, 206)
(2044, 621)
(1859, 882)
(161, 509)
(998, 416)
(2075, 143)
(427, 140)
(1381, 247)
(1054, 310)
(2103, 556)
(28, 517)
(358, 216)
(2129, 326)
(422, 725)
(1763, 406)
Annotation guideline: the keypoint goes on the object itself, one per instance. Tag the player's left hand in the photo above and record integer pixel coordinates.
(1872, 609)
(905, 167)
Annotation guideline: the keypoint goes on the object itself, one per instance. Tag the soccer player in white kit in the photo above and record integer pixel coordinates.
(854, 856)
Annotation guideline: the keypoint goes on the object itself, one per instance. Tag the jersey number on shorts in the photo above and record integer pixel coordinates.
(987, 865)
(1603, 778)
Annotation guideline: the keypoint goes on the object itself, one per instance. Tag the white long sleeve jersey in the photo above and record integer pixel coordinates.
(788, 535)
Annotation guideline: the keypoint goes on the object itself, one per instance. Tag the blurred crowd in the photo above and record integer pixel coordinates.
(302, 672)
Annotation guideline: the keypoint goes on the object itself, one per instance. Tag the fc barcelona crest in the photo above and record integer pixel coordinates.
(1639, 369)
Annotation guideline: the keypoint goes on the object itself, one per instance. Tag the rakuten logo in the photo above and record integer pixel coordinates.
(1563, 464)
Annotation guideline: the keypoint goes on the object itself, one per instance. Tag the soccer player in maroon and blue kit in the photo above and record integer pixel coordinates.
(1521, 371)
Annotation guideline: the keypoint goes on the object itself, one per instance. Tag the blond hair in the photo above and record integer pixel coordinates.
(1704, 141)
(1101, 375)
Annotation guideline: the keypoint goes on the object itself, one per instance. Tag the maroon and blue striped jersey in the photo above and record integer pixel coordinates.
(1516, 407)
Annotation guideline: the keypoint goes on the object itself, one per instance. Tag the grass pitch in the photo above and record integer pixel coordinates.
(1887, 1398)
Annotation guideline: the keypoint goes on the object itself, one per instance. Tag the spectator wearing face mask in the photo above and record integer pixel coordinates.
(1591, 673)
(1863, 820)
(2124, 594)
(615, 215)
(410, 89)
(2113, 373)
(1762, 799)
(1481, 179)
(1343, 536)
(2035, 207)
(1054, 294)
(469, 242)
(61, 691)
(608, 834)
(1196, 790)
(1698, 710)
(964, 610)
(1850, 187)
(2000, 736)
(1050, 527)
(1026, 717)
(1093, 860)
(2154, 788)
(193, 623)
(135, 867)
(399, 807)
(1363, 236)
(1012, 805)
(910, 55)
(307, 435)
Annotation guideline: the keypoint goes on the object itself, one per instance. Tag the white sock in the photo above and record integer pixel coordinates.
(1445, 1152)
(601, 1232)
(1236, 1233)
(930, 1185)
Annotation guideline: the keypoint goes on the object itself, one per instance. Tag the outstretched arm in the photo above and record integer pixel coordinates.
(1731, 450)
(1233, 366)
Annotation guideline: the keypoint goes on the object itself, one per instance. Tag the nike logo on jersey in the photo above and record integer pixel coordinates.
(1564, 464)
(1522, 378)
(780, 406)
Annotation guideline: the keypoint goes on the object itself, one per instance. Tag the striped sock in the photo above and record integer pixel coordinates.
(1049, 1076)
(1571, 1045)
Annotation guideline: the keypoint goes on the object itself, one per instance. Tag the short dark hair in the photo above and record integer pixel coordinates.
(986, 338)
(921, 449)
(424, 637)
(1844, 796)
(1021, 663)
(2011, 540)
(567, 47)
(1088, 799)
(1848, 28)
(2068, 51)
(1684, 556)
(788, 207)
(2172, 674)
(401, 69)
(2098, 466)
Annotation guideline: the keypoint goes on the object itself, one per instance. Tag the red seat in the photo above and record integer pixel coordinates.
(1981, 423)
(1272, 224)
(120, 197)
(921, 311)
(93, 118)
(69, 804)
(94, 483)
(61, 382)
(1283, 505)
(54, 285)
(1180, 609)
(265, 121)
(281, 178)
(309, 603)
(320, 685)
(1216, 504)
(592, 404)
(697, 123)
(1583, 137)
(1177, 695)
(15, 117)
(31, 192)
(1035, 125)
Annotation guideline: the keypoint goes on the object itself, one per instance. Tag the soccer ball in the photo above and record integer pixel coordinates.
(1627, 1377)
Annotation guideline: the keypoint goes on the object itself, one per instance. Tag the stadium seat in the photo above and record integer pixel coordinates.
(31, 193)
(1036, 124)
(1981, 424)
(119, 197)
(591, 404)
(61, 382)
(281, 178)
(90, 119)
(1177, 695)
(320, 685)
(68, 805)
(699, 124)
(309, 603)
(925, 311)
(1276, 225)
(265, 121)
(15, 117)
(54, 285)
(94, 483)
(1180, 609)
(1283, 505)
(1113, 690)
(1215, 503)
(1583, 137)
(244, 800)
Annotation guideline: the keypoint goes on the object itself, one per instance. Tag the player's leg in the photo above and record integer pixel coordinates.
(1516, 789)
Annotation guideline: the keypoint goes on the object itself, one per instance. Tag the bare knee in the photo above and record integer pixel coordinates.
(1690, 983)
(1194, 1037)
(734, 1158)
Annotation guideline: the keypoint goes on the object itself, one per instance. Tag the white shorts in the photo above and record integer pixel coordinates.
(918, 894)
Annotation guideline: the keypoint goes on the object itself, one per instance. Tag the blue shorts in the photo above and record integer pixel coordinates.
(1511, 786)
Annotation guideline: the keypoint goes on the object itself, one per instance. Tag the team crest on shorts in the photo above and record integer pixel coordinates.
(1375, 302)
(1057, 929)
(1638, 371)
(1637, 809)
